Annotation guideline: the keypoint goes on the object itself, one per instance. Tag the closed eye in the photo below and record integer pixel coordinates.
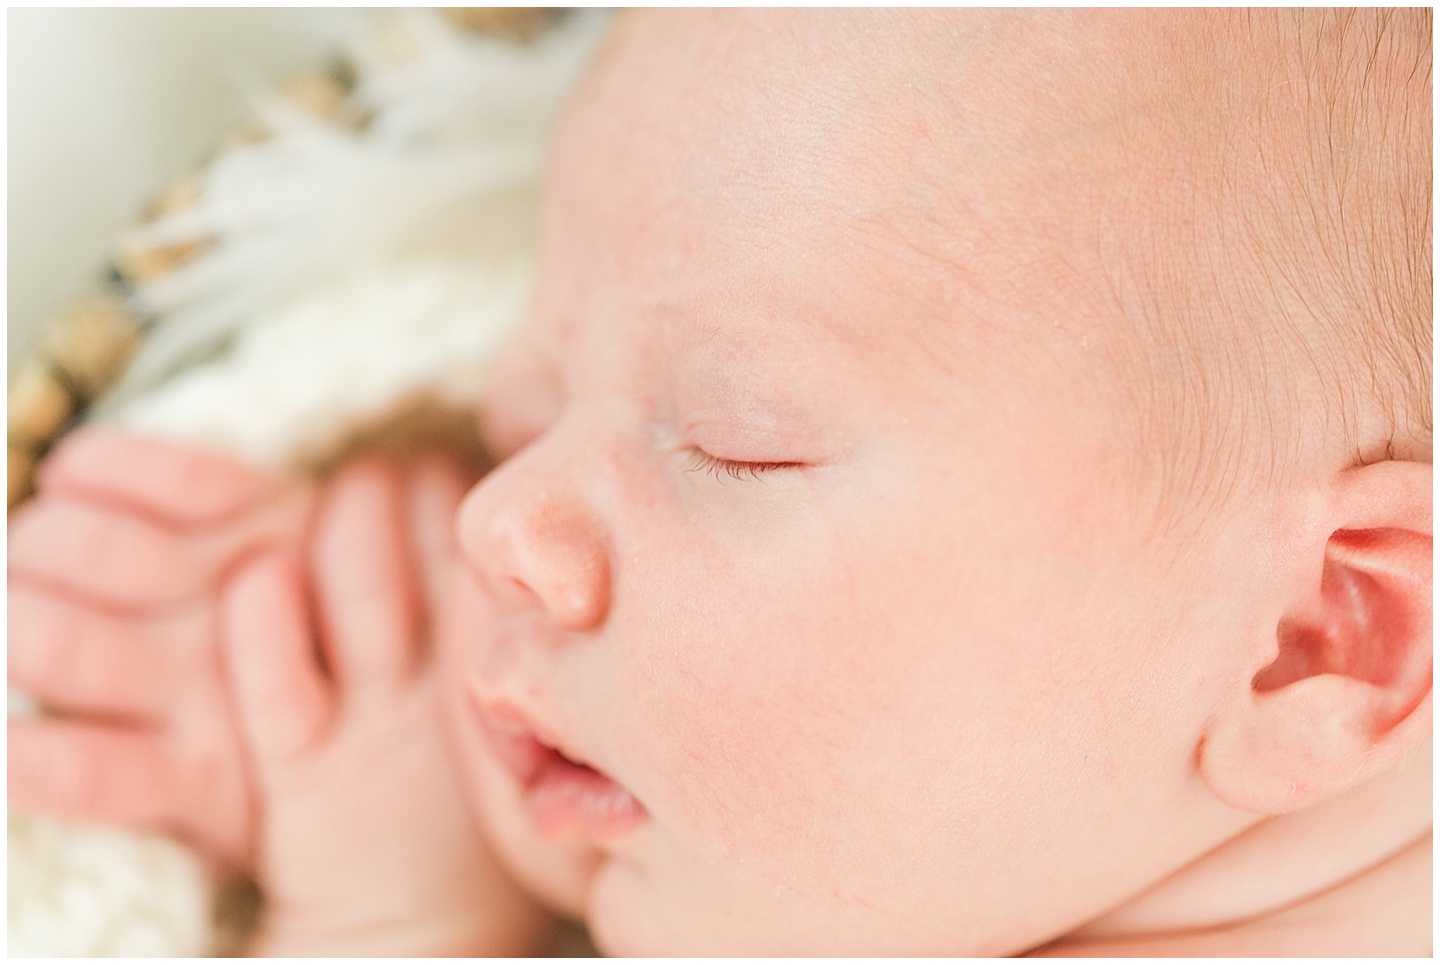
(702, 461)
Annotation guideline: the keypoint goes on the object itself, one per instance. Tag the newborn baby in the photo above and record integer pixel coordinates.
(965, 490)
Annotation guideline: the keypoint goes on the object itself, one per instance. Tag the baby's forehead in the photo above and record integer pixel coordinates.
(805, 155)
(788, 127)
(873, 87)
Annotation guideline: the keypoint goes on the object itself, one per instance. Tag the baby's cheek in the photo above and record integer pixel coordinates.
(763, 722)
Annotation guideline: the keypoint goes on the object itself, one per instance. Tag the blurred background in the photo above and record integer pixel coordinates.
(105, 105)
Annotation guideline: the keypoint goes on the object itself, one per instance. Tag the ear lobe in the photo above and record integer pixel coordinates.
(1348, 694)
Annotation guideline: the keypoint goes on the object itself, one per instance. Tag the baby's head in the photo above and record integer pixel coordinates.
(959, 463)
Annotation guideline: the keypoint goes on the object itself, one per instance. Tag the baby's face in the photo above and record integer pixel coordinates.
(816, 544)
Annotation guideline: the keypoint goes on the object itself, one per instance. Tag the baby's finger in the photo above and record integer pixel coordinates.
(363, 580)
(103, 554)
(90, 772)
(437, 486)
(280, 693)
(168, 481)
(84, 660)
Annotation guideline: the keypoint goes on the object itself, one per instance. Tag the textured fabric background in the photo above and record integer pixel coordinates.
(104, 104)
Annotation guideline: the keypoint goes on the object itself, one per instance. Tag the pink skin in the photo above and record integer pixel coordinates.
(904, 670)
(812, 610)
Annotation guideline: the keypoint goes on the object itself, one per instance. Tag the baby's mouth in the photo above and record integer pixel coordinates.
(564, 795)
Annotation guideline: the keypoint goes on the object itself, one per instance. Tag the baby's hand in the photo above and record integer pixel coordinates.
(366, 844)
(113, 574)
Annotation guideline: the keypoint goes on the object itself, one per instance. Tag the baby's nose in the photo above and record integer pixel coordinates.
(535, 544)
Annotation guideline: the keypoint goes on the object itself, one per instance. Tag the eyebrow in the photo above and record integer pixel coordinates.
(713, 326)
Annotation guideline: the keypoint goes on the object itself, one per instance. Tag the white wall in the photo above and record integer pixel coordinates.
(106, 104)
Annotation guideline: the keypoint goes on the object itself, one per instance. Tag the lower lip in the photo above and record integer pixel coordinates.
(564, 797)
(568, 797)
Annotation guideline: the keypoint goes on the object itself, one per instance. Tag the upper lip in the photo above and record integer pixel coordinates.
(523, 745)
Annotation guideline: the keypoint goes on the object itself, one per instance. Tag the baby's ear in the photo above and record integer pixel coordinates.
(1347, 694)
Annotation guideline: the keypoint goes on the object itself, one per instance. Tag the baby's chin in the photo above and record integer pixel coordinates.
(559, 874)
(622, 918)
(578, 880)
(572, 877)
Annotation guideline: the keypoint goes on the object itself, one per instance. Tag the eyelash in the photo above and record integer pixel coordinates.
(700, 460)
